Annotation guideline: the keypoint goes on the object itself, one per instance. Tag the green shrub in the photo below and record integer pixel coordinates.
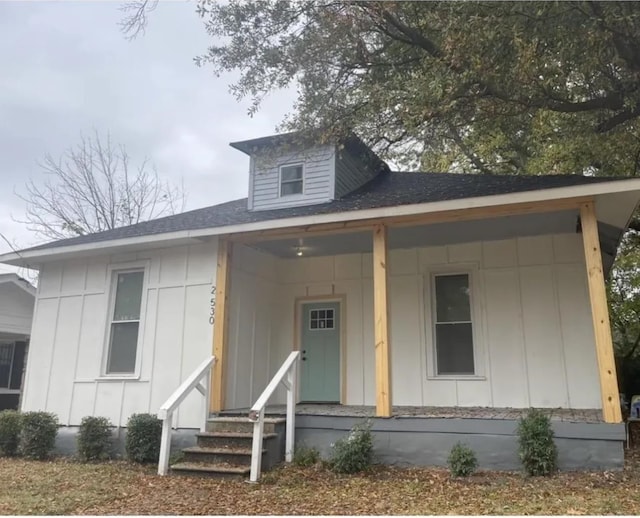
(354, 452)
(38, 434)
(94, 438)
(462, 461)
(538, 452)
(305, 456)
(10, 424)
(144, 433)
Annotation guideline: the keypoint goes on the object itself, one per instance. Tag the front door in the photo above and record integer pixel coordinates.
(320, 346)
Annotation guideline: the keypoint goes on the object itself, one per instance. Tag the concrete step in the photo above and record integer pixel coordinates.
(242, 424)
(228, 439)
(228, 456)
(221, 470)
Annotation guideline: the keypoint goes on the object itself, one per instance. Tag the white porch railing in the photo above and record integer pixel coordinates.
(256, 414)
(203, 372)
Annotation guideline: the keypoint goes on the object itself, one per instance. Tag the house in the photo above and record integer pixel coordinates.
(17, 298)
(441, 305)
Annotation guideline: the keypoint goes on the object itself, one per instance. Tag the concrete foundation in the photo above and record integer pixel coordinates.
(428, 441)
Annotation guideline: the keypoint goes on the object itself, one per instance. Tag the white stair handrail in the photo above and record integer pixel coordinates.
(203, 372)
(256, 414)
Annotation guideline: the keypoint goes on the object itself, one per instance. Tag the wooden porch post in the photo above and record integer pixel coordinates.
(381, 313)
(220, 324)
(600, 314)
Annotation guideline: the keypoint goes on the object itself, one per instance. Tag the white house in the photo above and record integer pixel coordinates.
(17, 298)
(451, 298)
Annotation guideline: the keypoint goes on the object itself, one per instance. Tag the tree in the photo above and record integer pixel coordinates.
(517, 87)
(93, 187)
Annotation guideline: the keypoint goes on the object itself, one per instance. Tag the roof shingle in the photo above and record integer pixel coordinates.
(388, 189)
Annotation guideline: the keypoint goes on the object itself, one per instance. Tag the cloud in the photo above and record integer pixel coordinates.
(67, 70)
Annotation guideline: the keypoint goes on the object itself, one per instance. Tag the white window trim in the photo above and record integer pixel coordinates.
(290, 196)
(112, 271)
(475, 297)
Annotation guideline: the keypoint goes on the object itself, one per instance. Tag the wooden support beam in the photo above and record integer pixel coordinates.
(600, 314)
(381, 315)
(220, 325)
(426, 218)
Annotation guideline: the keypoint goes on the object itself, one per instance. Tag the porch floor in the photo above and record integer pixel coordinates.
(335, 410)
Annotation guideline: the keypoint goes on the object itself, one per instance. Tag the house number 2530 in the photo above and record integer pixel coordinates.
(212, 308)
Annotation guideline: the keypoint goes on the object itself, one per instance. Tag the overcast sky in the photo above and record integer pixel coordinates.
(65, 69)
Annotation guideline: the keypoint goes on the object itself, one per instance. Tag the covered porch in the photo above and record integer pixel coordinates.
(376, 272)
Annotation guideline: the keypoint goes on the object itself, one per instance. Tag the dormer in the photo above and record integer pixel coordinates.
(291, 170)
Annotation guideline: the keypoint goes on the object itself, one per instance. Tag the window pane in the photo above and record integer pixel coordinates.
(291, 172)
(128, 296)
(454, 346)
(291, 188)
(122, 348)
(6, 355)
(452, 298)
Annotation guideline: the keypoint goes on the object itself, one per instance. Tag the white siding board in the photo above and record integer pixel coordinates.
(108, 401)
(168, 345)
(499, 254)
(38, 364)
(83, 399)
(545, 363)
(135, 400)
(578, 338)
(504, 324)
(96, 276)
(568, 248)
(65, 351)
(534, 250)
(406, 374)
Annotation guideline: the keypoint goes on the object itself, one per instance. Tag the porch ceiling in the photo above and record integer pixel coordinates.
(427, 235)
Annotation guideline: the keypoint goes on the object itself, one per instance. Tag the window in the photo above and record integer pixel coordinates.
(321, 319)
(6, 362)
(291, 179)
(125, 322)
(453, 327)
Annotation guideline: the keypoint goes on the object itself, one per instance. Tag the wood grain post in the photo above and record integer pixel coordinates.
(220, 325)
(600, 314)
(381, 315)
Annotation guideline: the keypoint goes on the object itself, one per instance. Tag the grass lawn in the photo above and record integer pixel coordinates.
(67, 487)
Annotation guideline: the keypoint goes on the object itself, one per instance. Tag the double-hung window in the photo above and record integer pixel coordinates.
(453, 333)
(291, 181)
(124, 324)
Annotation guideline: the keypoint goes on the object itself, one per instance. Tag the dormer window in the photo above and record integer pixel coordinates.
(291, 179)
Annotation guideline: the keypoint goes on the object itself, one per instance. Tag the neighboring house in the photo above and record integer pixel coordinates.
(453, 300)
(17, 298)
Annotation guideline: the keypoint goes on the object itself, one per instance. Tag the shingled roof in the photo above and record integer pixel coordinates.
(388, 189)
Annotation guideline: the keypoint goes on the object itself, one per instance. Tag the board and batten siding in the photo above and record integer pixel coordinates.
(70, 326)
(318, 184)
(16, 310)
(533, 326)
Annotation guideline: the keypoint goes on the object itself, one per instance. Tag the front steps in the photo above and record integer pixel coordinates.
(224, 450)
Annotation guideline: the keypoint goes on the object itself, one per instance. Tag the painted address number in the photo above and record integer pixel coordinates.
(212, 308)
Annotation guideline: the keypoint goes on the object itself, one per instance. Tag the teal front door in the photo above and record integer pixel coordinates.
(320, 346)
